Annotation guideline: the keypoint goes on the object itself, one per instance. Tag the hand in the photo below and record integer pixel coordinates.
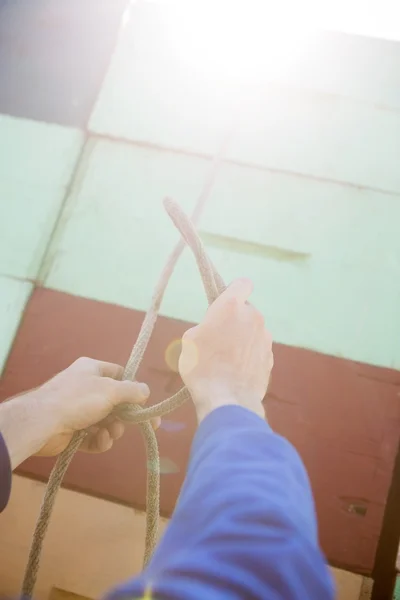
(83, 397)
(228, 359)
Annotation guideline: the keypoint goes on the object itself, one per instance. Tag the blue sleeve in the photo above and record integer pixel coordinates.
(5, 475)
(244, 526)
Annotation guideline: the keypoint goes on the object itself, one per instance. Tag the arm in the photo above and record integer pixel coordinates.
(244, 526)
(24, 427)
(44, 420)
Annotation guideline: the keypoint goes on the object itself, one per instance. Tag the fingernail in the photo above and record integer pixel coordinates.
(144, 390)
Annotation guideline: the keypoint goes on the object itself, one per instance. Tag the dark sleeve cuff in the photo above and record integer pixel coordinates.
(5, 475)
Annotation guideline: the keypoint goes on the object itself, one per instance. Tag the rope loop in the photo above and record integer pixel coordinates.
(213, 285)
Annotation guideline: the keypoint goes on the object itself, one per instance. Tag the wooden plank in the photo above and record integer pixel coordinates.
(385, 571)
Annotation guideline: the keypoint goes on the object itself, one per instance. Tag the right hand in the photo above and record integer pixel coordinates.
(228, 359)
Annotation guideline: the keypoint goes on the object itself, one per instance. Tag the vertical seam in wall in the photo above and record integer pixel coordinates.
(46, 261)
(45, 264)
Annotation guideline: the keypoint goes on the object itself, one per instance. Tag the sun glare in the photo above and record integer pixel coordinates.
(239, 40)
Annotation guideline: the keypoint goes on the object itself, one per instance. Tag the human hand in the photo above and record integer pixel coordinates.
(83, 397)
(228, 359)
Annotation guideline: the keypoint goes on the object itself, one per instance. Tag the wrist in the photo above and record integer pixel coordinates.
(207, 405)
(26, 423)
(207, 402)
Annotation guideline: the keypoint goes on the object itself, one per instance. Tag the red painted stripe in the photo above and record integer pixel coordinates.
(342, 416)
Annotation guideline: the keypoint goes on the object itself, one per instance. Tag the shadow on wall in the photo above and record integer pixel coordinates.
(41, 43)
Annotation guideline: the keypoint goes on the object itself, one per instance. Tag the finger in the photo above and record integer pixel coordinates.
(116, 429)
(111, 370)
(103, 440)
(96, 443)
(86, 445)
(128, 392)
(97, 367)
(100, 442)
(92, 430)
(239, 290)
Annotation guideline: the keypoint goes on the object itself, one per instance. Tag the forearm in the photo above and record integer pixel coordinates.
(244, 525)
(25, 427)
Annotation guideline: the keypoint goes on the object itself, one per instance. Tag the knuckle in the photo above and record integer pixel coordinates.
(233, 301)
(119, 372)
(98, 384)
(190, 334)
(107, 387)
(231, 305)
(255, 316)
(83, 361)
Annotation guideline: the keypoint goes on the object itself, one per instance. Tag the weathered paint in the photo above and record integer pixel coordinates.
(344, 418)
(326, 116)
(36, 164)
(343, 296)
(313, 176)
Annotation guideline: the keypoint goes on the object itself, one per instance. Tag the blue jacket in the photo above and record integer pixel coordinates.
(244, 527)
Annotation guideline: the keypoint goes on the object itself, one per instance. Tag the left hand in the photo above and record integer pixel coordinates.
(83, 397)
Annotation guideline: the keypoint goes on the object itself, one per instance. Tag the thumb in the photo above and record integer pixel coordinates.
(131, 392)
(239, 289)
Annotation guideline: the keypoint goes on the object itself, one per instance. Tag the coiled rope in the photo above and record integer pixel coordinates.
(213, 285)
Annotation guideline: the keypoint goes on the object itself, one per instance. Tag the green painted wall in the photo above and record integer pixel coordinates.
(307, 204)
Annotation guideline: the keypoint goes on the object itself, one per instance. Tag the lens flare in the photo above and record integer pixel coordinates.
(190, 358)
(172, 354)
(236, 40)
(147, 594)
(172, 426)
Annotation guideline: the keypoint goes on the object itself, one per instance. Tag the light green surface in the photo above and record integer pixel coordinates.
(362, 68)
(114, 236)
(359, 67)
(339, 295)
(13, 297)
(314, 221)
(329, 121)
(334, 223)
(36, 163)
(324, 136)
(150, 95)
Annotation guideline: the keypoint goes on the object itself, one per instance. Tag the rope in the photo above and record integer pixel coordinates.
(213, 285)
